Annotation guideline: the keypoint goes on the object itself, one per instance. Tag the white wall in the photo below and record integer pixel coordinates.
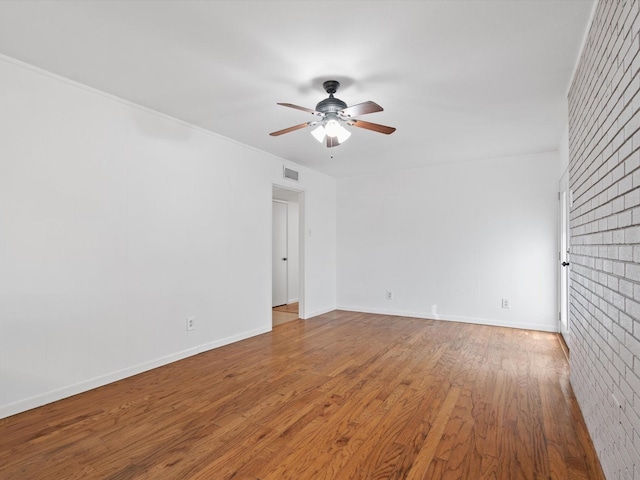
(451, 240)
(563, 151)
(116, 223)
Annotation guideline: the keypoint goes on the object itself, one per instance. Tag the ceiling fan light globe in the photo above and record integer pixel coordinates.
(332, 128)
(318, 133)
(343, 134)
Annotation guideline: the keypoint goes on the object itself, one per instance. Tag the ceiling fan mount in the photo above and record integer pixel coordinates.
(334, 112)
(331, 86)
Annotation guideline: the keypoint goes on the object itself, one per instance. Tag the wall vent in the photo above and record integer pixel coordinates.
(290, 174)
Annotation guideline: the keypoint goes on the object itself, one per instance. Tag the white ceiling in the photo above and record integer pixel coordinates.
(460, 80)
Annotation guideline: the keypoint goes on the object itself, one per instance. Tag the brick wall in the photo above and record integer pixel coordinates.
(604, 153)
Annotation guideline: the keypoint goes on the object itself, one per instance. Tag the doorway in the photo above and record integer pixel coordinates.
(287, 255)
(564, 251)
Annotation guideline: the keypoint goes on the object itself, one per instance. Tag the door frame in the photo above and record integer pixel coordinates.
(286, 193)
(564, 255)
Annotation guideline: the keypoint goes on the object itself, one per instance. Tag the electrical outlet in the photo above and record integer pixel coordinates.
(506, 303)
(389, 296)
(191, 323)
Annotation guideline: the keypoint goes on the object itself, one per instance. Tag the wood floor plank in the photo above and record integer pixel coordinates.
(419, 469)
(345, 395)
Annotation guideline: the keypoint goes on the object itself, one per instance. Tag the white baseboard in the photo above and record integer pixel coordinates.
(54, 395)
(453, 318)
(235, 338)
(70, 390)
(315, 313)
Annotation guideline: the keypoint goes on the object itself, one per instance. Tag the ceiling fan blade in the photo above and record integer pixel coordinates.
(332, 141)
(361, 109)
(372, 126)
(298, 107)
(290, 129)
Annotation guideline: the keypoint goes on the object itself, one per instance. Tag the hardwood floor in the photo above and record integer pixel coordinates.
(284, 314)
(289, 307)
(341, 396)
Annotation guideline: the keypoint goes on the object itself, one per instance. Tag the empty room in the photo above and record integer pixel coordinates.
(320, 240)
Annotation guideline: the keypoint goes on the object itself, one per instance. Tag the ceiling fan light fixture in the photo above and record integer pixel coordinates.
(343, 134)
(318, 133)
(332, 128)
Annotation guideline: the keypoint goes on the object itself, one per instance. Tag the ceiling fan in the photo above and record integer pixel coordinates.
(334, 114)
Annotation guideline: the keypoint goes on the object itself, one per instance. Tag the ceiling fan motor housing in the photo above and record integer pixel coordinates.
(331, 104)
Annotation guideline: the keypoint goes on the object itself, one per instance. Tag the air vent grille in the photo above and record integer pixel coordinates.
(290, 174)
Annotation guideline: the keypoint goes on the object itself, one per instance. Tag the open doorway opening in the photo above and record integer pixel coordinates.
(287, 255)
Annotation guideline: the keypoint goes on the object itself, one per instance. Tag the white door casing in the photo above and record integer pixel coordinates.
(564, 247)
